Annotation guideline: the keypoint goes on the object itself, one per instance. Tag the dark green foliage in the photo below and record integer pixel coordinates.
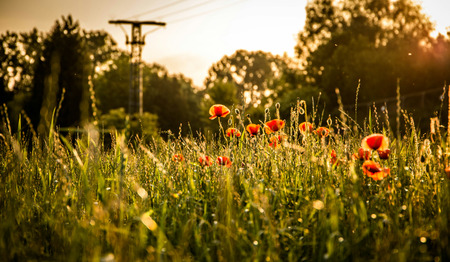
(374, 42)
(19, 54)
(223, 93)
(171, 97)
(111, 86)
(145, 126)
(46, 74)
(62, 67)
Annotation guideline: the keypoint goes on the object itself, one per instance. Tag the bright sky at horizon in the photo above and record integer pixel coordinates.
(198, 32)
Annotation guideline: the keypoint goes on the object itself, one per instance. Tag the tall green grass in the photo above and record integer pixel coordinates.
(76, 199)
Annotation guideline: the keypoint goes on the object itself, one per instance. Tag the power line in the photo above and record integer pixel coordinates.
(151, 31)
(135, 98)
(204, 13)
(186, 9)
(197, 15)
(156, 9)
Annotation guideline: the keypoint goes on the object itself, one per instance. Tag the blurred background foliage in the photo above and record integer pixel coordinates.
(364, 48)
(145, 125)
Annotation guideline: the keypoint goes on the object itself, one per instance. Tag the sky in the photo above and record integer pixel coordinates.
(198, 33)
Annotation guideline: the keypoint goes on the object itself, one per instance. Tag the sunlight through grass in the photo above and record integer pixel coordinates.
(298, 191)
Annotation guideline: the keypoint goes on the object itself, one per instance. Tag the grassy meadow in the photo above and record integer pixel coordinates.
(301, 196)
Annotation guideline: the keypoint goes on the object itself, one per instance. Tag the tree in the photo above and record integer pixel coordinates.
(371, 41)
(254, 74)
(19, 54)
(171, 97)
(59, 86)
(223, 93)
(101, 50)
(59, 77)
(111, 85)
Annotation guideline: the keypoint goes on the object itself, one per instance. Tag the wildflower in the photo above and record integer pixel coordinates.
(231, 132)
(276, 140)
(205, 160)
(224, 161)
(384, 154)
(363, 154)
(177, 158)
(374, 170)
(322, 131)
(274, 126)
(306, 127)
(333, 158)
(252, 129)
(375, 142)
(218, 111)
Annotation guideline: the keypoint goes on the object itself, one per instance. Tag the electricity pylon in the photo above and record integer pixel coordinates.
(136, 96)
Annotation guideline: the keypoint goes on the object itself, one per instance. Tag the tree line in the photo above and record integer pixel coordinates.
(348, 53)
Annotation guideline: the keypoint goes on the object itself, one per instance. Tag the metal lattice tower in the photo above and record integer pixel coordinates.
(136, 96)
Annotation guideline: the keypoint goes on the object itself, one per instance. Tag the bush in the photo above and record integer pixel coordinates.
(145, 125)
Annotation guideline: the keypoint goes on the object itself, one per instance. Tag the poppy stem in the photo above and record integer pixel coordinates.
(221, 128)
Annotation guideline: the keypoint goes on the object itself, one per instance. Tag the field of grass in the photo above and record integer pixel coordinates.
(305, 199)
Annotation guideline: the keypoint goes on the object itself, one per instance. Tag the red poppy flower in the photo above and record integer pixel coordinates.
(333, 157)
(306, 127)
(447, 172)
(218, 111)
(205, 160)
(375, 142)
(364, 154)
(276, 140)
(374, 170)
(177, 158)
(224, 161)
(274, 126)
(233, 132)
(322, 131)
(252, 129)
(384, 154)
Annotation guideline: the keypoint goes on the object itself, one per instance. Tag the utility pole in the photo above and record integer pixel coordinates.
(136, 96)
